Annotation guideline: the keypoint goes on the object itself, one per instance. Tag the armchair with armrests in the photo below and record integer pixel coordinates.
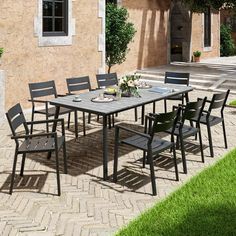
(34, 143)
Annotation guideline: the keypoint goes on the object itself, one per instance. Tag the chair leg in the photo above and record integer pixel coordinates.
(58, 174)
(32, 119)
(175, 163)
(47, 125)
(143, 114)
(116, 155)
(154, 107)
(136, 114)
(76, 124)
(210, 140)
(68, 122)
(13, 172)
(89, 118)
(22, 165)
(97, 118)
(153, 178)
(113, 120)
(224, 132)
(165, 105)
(183, 154)
(201, 146)
(109, 121)
(116, 114)
(65, 157)
(84, 129)
(144, 159)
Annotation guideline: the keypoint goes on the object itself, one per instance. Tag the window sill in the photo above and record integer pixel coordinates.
(55, 41)
(207, 49)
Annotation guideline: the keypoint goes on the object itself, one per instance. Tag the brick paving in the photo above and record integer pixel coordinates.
(89, 205)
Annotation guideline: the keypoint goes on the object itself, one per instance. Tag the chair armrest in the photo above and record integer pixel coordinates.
(38, 101)
(133, 131)
(53, 134)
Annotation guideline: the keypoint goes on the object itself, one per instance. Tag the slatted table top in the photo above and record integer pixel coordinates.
(122, 104)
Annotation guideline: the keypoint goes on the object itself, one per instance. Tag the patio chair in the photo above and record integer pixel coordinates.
(190, 111)
(179, 79)
(217, 102)
(148, 142)
(41, 93)
(34, 143)
(76, 85)
(106, 80)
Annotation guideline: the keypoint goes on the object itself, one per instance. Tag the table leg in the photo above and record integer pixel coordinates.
(105, 148)
(54, 127)
(143, 114)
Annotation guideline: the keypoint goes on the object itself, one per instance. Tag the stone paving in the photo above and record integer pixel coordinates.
(215, 74)
(89, 205)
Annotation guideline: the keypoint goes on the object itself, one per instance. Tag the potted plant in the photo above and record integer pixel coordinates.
(197, 55)
(128, 85)
(1, 52)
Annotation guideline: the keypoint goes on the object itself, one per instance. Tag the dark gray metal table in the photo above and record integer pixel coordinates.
(107, 109)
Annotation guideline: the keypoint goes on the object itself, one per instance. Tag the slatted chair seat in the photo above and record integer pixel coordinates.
(158, 145)
(187, 131)
(52, 111)
(213, 120)
(40, 145)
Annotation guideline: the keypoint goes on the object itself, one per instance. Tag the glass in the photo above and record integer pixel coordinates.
(47, 8)
(59, 9)
(47, 24)
(59, 26)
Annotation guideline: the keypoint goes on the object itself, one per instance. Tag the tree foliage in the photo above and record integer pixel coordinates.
(201, 5)
(227, 47)
(119, 33)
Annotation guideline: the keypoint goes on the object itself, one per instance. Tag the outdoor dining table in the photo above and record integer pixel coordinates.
(118, 105)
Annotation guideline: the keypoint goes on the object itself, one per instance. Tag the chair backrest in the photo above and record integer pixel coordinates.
(177, 78)
(219, 100)
(193, 110)
(106, 80)
(162, 122)
(78, 84)
(16, 118)
(42, 89)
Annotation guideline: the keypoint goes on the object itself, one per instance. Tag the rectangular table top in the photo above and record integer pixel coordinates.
(122, 104)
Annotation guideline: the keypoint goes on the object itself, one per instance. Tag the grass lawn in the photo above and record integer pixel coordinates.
(205, 206)
(233, 103)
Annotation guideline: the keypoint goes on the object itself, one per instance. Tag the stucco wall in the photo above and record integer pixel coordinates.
(198, 38)
(149, 48)
(24, 61)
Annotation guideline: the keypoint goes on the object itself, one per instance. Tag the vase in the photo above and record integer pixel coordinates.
(126, 94)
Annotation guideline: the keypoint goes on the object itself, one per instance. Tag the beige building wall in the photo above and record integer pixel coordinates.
(149, 48)
(24, 61)
(198, 35)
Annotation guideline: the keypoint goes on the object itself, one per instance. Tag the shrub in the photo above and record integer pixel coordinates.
(227, 47)
(197, 53)
(119, 33)
(1, 52)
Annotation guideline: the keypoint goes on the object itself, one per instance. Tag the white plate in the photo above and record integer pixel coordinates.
(103, 100)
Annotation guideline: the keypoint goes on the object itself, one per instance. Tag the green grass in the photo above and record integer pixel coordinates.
(233, 103)
(205, 206)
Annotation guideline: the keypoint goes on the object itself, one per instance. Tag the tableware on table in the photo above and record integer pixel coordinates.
(144, 85)
(102, 100)
(161, 90)
(77, 99)
(110, 91)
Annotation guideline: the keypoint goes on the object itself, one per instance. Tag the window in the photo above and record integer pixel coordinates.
(207, 28)
(111, 1)
(55, 17)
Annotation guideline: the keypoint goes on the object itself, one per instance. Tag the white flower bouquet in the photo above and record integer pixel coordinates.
(129, 85)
